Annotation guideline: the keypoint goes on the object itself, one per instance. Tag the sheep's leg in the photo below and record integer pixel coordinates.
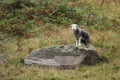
(79, 41)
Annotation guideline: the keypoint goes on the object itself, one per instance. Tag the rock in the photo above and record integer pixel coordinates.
(3, 58)
(62, 57)
(1, 38)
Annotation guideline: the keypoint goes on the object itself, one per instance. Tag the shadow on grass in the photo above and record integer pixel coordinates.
(104, 60)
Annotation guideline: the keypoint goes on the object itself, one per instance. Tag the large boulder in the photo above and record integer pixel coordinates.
(65, 57)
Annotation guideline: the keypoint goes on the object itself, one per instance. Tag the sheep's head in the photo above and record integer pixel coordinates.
(74, 26)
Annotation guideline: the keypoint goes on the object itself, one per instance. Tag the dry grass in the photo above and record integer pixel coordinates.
(107, 46)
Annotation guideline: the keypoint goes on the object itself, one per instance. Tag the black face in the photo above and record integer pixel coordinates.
(77, 31)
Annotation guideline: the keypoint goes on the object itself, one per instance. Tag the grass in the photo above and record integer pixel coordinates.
(106, 42)
(106, 45)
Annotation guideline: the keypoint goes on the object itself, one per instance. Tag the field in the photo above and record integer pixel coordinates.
(33, 26)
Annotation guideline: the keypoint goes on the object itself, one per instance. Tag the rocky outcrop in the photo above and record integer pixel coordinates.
(62, 57)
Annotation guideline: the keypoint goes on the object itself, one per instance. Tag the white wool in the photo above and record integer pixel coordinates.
(74, 26)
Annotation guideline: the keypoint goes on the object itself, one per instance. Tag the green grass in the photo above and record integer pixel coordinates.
(105, 39)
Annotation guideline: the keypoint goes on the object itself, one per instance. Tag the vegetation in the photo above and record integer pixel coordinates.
(27, 25)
